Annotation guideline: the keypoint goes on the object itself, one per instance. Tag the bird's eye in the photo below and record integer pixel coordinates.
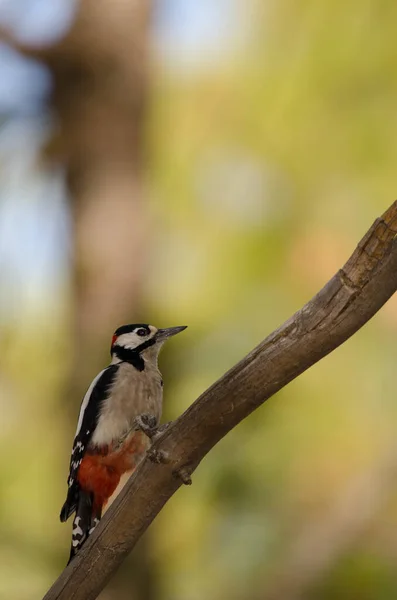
(141, 332)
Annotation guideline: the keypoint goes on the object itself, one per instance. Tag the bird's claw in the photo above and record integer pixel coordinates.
(147, 424)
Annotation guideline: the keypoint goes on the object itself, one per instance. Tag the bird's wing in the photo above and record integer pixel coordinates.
(88, 419)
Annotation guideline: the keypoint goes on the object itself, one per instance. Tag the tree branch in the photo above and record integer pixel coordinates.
(343, 306)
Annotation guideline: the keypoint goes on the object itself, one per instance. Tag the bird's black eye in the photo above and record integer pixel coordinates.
(141, 332)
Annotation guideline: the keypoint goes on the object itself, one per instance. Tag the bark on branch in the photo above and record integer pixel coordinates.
(343, 306)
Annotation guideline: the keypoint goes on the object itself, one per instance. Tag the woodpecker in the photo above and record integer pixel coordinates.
(109, 440)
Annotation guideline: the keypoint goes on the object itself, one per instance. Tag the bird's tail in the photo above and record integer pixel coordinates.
(86, 519)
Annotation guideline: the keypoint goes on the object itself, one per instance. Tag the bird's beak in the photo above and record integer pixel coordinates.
(164, 334)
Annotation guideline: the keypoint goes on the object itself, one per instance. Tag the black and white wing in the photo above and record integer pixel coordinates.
(88, 419)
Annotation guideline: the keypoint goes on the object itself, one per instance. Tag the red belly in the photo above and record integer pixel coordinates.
(100, 471)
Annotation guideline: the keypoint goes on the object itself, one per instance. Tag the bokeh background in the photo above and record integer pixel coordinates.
(209, 163)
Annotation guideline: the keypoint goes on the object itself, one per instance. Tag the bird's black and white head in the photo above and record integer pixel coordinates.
(139, 342)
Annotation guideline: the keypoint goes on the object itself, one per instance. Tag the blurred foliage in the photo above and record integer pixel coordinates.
(265, 170)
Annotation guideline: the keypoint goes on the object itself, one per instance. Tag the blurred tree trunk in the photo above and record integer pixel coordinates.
(101, 71)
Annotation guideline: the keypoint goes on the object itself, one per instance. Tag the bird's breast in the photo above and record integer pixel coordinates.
(133, 393)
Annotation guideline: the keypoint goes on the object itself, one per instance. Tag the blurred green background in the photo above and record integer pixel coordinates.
(213, 164)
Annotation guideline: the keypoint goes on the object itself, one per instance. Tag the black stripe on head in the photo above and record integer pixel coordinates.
(141, 329)
(131, 328)
(130, 356)
(133, 356)
(145, 345)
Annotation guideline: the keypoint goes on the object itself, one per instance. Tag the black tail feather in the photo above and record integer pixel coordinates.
(70, 504)
(84, 522)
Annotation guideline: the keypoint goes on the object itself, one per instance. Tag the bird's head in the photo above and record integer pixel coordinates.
(141, 338)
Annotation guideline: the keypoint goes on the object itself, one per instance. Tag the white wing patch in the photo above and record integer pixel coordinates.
(86, 400)
(79, 446)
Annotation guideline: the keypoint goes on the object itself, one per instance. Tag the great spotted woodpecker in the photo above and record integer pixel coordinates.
(109, 441)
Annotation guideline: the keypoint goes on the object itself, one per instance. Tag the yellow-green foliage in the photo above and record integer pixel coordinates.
(266, 169)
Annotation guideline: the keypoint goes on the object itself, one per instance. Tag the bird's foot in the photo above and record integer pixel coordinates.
(148, 424)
